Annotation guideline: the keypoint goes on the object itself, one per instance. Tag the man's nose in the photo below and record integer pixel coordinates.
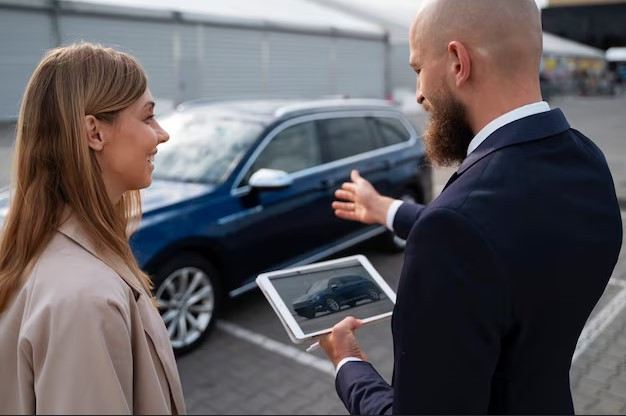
(420, 98)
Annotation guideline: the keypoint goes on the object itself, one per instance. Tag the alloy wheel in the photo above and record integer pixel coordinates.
(186, 301)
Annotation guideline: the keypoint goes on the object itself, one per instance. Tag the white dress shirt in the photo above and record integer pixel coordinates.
(503, 120)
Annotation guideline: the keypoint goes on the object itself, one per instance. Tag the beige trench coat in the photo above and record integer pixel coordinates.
(82, 337)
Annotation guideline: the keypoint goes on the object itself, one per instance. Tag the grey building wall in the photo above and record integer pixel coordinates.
(24, 38)
(402, 75)
(192, 58)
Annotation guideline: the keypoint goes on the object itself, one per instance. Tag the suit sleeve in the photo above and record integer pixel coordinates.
(406, 217)
(451, 311)
(362, 390)
(81, 358)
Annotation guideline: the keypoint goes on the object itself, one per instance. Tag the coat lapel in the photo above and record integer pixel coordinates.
(155, 329)
(152, 323)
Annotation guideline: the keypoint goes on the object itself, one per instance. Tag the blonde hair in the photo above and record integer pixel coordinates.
(54, 168)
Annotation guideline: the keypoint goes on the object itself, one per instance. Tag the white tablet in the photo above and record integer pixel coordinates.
(311, 299)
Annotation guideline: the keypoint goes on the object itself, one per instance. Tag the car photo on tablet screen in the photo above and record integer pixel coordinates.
(331, 295)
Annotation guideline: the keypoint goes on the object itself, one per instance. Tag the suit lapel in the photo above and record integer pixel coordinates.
(527, 129)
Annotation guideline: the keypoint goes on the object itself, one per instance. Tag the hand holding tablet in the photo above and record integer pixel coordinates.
(310, 300)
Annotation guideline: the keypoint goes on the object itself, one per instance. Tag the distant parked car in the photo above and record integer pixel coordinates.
(244, 187)
(330, 295)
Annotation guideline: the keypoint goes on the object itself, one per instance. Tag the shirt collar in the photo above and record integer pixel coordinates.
(503, 120)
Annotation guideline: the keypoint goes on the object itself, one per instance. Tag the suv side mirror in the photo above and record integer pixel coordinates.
(270, 179)
(334, 287)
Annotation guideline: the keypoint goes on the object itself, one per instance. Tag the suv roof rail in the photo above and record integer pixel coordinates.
(357, 103)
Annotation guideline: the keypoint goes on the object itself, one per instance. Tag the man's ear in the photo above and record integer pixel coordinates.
(94, 137)
(461, 64)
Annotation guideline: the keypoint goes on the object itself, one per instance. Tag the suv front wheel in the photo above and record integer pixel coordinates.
(188, 294)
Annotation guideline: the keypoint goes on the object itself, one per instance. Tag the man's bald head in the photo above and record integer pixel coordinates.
(506, 33)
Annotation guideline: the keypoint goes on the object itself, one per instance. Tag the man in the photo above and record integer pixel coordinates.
(502, 270)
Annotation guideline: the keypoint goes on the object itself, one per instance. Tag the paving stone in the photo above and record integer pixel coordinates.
(618, 388)
(609, 362)
(608, 405)
(583, 402)
(601, 374)
(590, 387)
(616, 351)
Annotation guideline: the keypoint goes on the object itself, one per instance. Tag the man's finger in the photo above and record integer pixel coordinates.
(343, 206)
(346, 215)
(341, 194)
(348, 186)
(354, 175)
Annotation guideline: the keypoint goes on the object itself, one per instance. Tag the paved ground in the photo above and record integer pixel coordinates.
(249, 365)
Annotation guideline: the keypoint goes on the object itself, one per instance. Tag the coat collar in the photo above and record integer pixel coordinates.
(74, 230)
(527, 129)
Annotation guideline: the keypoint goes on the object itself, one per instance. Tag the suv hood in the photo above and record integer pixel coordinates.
(164, 193)
(158, 195)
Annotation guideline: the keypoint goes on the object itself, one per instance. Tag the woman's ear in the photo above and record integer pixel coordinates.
(461, 63)
(94, 134)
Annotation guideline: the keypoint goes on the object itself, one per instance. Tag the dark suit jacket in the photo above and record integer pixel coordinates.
(500, 273)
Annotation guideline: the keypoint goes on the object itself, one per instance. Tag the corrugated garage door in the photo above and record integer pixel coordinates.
(360, 67)
(25, 37)
(402, 75)
(300, 65)
(152, 43)
(231, 63)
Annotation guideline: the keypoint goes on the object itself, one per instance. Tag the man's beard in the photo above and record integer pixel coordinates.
(448, 134)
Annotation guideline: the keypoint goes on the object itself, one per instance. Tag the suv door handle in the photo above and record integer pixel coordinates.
(328, 183)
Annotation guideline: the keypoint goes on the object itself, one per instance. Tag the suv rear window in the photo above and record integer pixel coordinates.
(392, 130)
(345, 137)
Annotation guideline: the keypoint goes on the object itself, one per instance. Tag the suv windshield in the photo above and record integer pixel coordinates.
(318, 286)
(204, 145)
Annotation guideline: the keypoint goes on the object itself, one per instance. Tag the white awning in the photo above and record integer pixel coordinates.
(555, 45)
(298, 14)
(616, 54)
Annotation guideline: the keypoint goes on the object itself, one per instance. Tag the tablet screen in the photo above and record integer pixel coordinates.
(318, 299)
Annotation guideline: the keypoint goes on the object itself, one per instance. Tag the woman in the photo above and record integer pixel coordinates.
(79, 332)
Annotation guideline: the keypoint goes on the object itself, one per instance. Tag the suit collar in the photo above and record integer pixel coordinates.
(74, 230)
(527, 129)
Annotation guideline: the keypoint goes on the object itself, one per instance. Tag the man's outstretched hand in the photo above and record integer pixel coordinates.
(361, 202)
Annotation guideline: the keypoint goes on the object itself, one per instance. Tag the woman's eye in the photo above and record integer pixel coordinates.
(150, 117)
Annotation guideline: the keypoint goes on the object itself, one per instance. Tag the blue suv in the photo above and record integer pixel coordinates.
(244, 187)
(330, 295)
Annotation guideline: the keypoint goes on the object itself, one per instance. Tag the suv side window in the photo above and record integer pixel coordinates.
(294, 149)
(347, 136)
(392, 130)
